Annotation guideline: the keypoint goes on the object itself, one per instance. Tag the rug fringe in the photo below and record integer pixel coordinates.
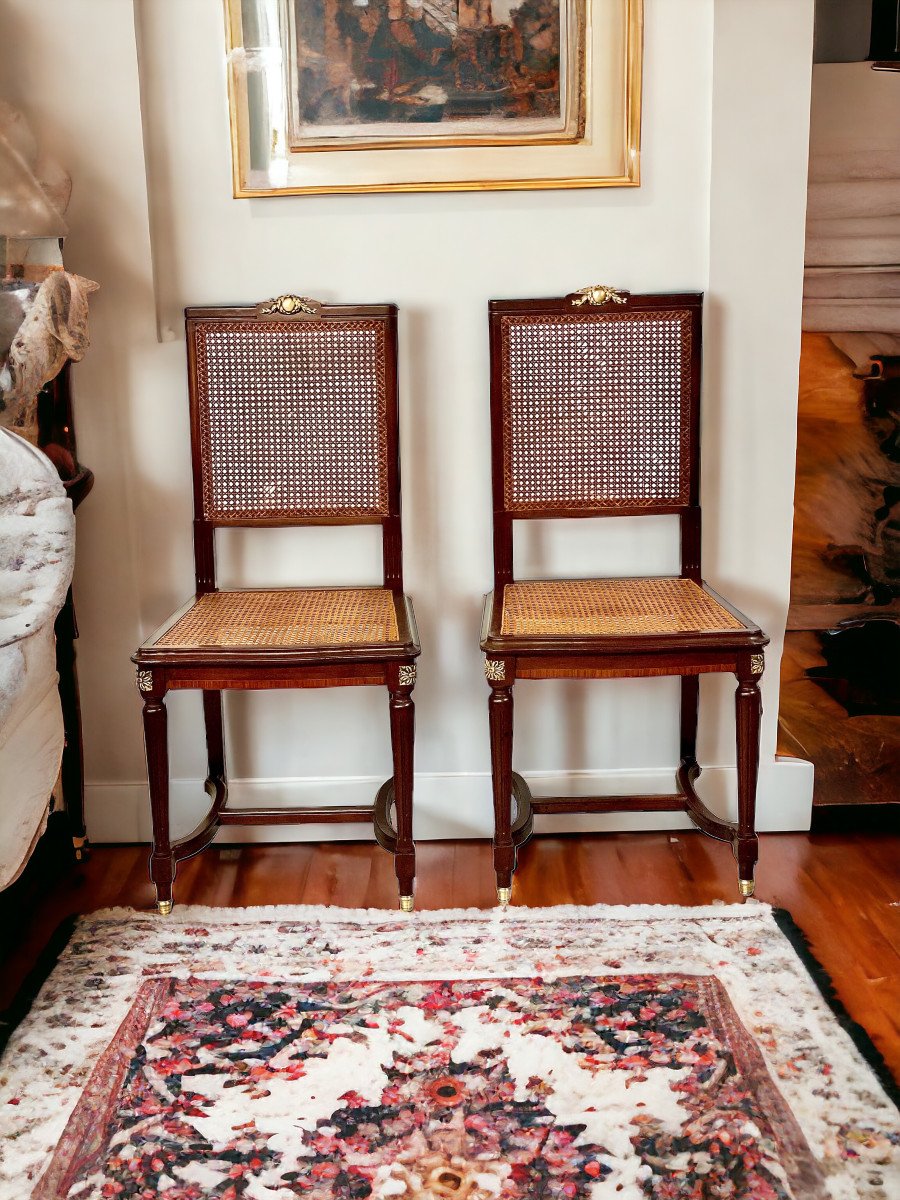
(751, 909)
(823, 981)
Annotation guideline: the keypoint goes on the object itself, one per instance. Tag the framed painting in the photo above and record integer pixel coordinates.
(433, 95)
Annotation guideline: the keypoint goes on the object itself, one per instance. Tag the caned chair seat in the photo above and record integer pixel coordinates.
(285, 619)
(562, 609)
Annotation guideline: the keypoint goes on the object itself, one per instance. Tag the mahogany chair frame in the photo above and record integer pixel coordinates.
(688, 655)
(216, 669)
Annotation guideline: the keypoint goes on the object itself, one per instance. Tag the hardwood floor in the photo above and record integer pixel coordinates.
(843, 892)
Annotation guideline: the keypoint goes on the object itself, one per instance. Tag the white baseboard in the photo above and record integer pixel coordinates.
(449, 806)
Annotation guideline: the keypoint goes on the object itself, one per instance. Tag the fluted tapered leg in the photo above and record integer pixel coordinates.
(162, 860)
(690, 698)
(403, 717)
(748, 711)
(215, 737)
(500, 711)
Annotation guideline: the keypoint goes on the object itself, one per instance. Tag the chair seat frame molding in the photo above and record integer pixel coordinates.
(520, 436)
(214, 668)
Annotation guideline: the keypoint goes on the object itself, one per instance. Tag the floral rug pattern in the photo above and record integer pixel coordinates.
(680, 1054)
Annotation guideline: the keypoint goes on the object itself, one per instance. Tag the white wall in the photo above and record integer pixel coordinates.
(721, 209)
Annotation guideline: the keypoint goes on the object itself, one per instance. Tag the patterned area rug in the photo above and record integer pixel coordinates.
(547, 1054)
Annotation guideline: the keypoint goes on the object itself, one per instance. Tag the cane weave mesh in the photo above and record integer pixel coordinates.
(279, 619)
(596, 410)
(292, 418)
(610, 607)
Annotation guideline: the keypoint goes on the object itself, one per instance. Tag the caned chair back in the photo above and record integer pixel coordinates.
(294, 421)
(595, 411)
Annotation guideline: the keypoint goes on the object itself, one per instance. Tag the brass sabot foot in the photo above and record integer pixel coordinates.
(164, 907)
(747, 887)
(406, 903)
(504, 895)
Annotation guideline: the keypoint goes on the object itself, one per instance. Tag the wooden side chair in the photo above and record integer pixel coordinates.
(595, 405)
(293, 422)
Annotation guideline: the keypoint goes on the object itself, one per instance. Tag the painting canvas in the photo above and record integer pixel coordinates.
(457, 71)
(356, 96)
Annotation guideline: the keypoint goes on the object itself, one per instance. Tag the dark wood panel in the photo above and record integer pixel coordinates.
(857, 759)
(836, 709)
(842, 891)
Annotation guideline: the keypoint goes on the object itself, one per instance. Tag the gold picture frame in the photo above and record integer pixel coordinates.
(277, 149)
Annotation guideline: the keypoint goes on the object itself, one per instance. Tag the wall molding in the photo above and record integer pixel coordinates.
(450, 805)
